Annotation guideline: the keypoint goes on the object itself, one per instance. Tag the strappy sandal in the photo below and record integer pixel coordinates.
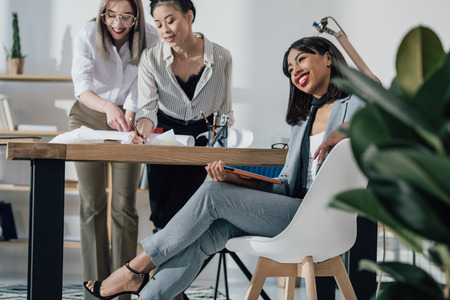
(98, 284)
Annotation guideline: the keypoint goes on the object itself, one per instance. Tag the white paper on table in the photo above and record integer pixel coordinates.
(239, 138)
(69, 137)
(169, 138)
(87, 135)
(99, 136)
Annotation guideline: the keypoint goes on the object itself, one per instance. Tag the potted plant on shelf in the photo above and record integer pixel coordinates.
(401, 141)
(14, 58)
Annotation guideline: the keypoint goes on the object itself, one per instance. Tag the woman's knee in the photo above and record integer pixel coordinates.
(215, 238)
(210, 185)
(208, 192)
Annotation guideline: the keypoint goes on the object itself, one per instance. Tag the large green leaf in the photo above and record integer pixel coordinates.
(366, 204)
(439, 254)
(373, 125)
(357, 83)
(413, 208)
(444, 254)
(398, 291)
(400, 180)
(418, 54)
(445, 131)
(426, 171)
(396, 89)
(433, 97)
(409, 277)
(446, 106)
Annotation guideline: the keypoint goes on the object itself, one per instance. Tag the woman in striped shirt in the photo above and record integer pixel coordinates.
(179, 78)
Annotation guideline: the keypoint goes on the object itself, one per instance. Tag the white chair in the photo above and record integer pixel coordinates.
(312, 243)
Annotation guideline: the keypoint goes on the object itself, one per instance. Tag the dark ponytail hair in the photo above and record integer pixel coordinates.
(299, 104)
(183, 5)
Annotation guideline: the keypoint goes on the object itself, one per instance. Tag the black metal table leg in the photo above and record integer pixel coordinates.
(46, 229)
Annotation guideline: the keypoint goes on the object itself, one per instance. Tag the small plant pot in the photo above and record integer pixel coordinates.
(15, 66)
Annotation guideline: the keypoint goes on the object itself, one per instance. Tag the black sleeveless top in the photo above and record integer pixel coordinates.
(190, 85)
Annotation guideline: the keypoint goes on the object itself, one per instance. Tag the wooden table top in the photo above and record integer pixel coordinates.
(36, 78)
(171, 155)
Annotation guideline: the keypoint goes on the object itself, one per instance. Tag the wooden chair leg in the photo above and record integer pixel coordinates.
(310, 278)
(290, 288)
(258, 279)
(333, 267)
(282, 282)
(342, 280)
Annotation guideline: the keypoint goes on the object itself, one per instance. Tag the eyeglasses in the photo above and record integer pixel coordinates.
(280, 146)
(127, 20)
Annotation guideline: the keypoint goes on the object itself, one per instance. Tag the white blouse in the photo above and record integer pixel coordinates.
(114, 80)
(314, 143)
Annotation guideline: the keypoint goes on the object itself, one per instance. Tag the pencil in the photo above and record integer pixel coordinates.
(214, 125)
(135, 128)
(207, 122)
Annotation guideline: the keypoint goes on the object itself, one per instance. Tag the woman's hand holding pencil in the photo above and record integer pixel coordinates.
(135, 128)
(141, 131)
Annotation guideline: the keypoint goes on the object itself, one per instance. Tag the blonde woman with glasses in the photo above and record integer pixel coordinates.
(106, 54)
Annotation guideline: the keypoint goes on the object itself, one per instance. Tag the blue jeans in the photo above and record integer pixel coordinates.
(214, 214)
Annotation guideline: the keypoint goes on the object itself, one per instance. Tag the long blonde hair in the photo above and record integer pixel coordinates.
(137, 41)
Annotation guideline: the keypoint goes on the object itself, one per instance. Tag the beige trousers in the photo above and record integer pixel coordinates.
(99, 259)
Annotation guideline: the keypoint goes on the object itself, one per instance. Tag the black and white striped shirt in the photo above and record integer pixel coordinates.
(159, 88)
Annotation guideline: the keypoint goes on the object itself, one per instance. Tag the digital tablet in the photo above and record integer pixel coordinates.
(245, 174)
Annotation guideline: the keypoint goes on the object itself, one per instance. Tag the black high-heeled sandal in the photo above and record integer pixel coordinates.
(98, 284)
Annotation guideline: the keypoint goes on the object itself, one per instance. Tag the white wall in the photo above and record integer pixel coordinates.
(257, 32)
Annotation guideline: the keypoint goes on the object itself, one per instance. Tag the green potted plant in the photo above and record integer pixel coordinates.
(14, 58)
(401, 141)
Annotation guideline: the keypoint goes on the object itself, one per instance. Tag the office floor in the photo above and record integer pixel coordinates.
(13, 269)
(75, 292)
(199, 290)
(237, 282)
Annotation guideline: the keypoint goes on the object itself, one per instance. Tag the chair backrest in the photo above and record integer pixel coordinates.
(318, 230)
